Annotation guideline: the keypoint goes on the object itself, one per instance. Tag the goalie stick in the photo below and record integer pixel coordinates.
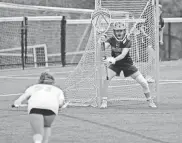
(101, 20)
(104, 58)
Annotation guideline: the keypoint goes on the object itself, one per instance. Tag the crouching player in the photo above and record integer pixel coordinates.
(44, 101)
(121, 61)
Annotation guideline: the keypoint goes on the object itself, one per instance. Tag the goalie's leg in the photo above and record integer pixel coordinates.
(143, 82)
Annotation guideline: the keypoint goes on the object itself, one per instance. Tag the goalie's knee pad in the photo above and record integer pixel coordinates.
(143, 82)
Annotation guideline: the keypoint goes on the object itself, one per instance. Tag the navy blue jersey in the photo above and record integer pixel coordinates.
(117, 48)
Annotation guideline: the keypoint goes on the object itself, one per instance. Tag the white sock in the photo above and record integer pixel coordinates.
(37, 138)
(38, 142)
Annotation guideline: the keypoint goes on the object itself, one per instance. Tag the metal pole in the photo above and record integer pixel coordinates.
(25, 38)
(98, 74)
(63, 41)
(22, 44)
(169, 41)
(157, 48)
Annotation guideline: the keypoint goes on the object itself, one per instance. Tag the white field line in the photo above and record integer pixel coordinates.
(162, 80)
(35, 74)
(12, 94)
(163, 83)
(62, 78)
(25, 78)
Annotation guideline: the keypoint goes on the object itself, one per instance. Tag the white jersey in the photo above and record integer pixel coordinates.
(45, 96)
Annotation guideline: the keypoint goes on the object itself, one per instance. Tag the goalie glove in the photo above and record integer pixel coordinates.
(110, 60)
(103, 38)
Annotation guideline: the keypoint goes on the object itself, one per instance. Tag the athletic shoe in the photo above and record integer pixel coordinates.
(104, 103)
(152, 104)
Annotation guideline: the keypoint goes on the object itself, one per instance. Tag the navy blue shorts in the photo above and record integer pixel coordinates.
(128, 69)
(44, 112)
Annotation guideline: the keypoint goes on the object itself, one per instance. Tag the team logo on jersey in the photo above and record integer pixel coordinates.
(101, 19)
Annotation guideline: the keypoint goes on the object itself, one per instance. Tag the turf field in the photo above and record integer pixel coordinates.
(127, 122)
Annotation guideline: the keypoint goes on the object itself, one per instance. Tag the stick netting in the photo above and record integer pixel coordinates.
(136, 14)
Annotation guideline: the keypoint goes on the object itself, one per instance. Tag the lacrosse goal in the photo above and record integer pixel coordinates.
(83, 86)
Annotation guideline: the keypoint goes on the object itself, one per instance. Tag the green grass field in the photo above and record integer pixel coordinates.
(127, 122)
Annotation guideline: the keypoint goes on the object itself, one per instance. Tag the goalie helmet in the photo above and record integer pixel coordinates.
(119, 31)
(46, 78)
(119, 26)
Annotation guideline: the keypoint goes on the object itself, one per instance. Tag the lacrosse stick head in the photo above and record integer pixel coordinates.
(101, 19)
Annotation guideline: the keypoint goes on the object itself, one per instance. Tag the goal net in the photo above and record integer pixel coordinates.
(84, 84)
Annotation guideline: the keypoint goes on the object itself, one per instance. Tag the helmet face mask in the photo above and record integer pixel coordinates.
(119, 31)
(120, 34)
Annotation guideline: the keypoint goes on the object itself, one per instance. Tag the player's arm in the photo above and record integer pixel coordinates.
(161, 30)
(25, 96)
(125, 51)
(123, 54)
(113, 60)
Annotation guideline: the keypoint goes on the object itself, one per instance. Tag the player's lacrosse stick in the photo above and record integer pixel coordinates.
(17, 106)
(101, 20)
(104, 58)
(65, 104)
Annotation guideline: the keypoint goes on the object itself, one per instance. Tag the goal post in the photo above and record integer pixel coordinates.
(84, 84)
(157, 65)
(40, 57)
